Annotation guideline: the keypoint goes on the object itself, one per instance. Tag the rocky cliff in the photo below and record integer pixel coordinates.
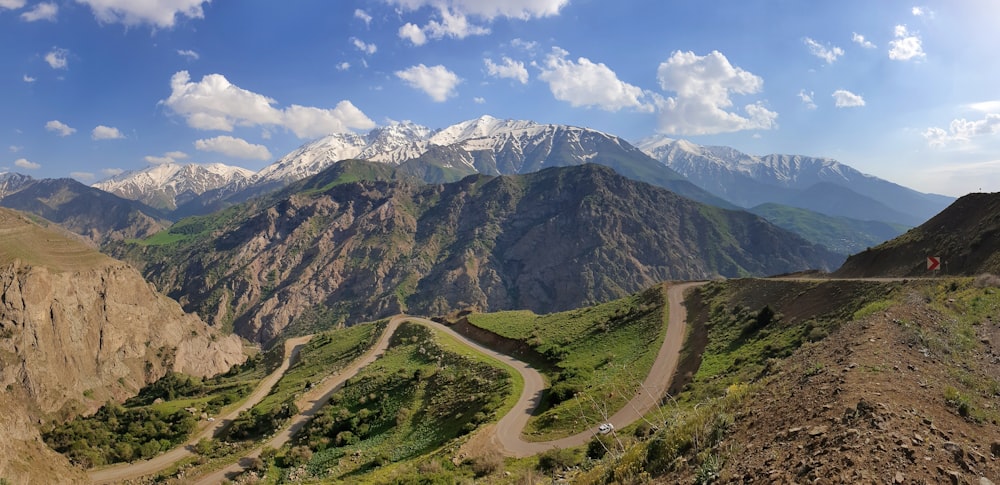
(77, 329)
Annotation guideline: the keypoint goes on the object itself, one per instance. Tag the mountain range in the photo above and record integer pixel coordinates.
(867, 210)
(818, 184)
(100, 217)
(352, 249)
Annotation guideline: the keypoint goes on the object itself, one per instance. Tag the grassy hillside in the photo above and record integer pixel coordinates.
(853, 380)
(597, 356)
(838, 234)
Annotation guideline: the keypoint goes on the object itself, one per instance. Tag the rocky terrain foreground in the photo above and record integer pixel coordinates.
(903, 395)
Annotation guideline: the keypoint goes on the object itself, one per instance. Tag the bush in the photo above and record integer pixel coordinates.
(487, 464)
(557, 459)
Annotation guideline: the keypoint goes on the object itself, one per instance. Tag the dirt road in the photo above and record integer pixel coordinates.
(507, 436)
(119, 473)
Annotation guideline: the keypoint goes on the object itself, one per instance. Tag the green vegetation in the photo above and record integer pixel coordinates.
(597, 356)
(117, 434)
(838, 234)
(966, 304)
(322, 355)
(160, 417)
(421, 394)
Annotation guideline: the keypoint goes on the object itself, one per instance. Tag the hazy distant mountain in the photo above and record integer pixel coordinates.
(820, 184)
(353, 249)
(838, 234)
(169, 185)
(965, 236)
(95, 214)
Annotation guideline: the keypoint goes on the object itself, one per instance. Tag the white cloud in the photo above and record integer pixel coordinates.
(216, 104)
(922, 12)
(42, 11)
(308, 122)
(906, 45)
(59, 128)
(846, 99)
(233, 147)
(82, 176)
(453, 24)
(584, 83)
(111, 172)
(158, 13)
(28, 79)
(12, 4)
(169, 157)
(860, 40)
(828, 54)
(363, 16)
(703, 105)
(490, 9)
(25, 164)
(57, 58)
(364, 47)
(524, 44)
(15, 148)
(985, 106)
(510, 69)
(479, 100)
(807, 99)
(437, 81)
(102, 132)
(412, 33)
(343, 66)
(962, 130)
(190, 54)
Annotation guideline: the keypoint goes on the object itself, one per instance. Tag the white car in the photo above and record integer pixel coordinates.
(605, 428)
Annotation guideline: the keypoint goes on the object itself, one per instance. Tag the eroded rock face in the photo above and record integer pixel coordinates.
(102, 331)
(78, 329)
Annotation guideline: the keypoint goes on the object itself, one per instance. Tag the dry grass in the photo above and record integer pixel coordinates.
(21, 239)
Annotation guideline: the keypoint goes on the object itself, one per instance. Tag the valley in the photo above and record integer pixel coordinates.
(589, 315)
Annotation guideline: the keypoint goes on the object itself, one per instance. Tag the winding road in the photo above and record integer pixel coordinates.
(507, 435)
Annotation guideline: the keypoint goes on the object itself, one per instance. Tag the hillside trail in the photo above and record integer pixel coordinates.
(119, 473)
(507, 432)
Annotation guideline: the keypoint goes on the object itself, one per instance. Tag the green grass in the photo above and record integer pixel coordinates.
(598, 357)
(322, 355)
(426, 391)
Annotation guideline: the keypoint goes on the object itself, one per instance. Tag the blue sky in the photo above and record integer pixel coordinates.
(902, 90)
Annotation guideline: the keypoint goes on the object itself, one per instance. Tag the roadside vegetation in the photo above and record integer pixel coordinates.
(321, 356)
(597, 357)
(423, 393)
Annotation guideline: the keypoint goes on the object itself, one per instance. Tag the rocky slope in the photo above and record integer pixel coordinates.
(169, 185)
(903, 394)
(965, 236)
(76, 329)
(98, 216)
(819, 184)
(547, 241)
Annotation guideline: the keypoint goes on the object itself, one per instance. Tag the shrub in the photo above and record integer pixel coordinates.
(557, 459)
(487, 464)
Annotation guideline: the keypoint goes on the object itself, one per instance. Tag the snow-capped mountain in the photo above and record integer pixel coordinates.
(11, 182)
(820, 184)
(168, 185)
(493, 146)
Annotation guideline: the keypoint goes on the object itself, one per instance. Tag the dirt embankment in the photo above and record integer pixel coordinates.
(512, 347)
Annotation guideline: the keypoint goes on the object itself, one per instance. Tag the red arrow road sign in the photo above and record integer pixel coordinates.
(933, 263)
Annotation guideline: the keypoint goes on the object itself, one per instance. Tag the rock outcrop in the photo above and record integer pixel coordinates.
(77, 329)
